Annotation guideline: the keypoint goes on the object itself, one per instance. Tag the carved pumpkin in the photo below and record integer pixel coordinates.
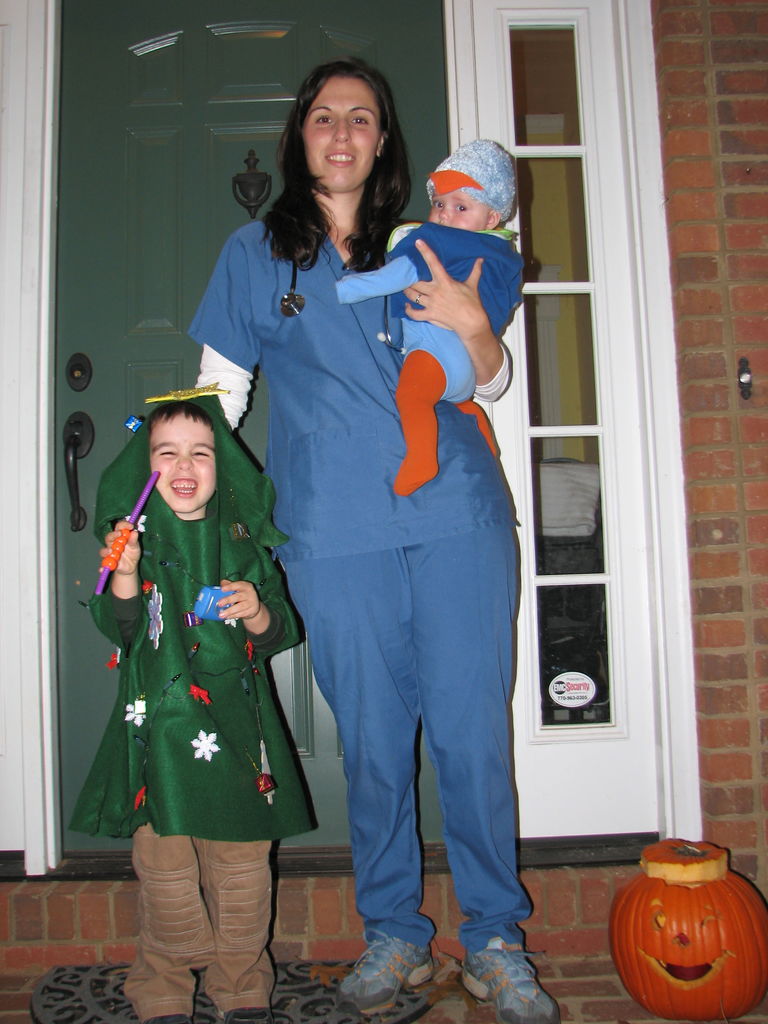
(689, 937)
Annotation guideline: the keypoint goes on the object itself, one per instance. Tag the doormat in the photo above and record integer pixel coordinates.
(304, 994)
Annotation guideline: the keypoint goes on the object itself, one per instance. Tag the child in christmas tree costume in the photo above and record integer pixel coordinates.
(472, 190)
(195, 764)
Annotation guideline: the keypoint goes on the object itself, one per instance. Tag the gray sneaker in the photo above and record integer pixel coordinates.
(500, 973)
(384, 968)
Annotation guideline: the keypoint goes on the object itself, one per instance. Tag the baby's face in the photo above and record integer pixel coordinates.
(457, 209)
(183, 451)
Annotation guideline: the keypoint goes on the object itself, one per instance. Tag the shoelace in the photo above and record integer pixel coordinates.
(503, 970)
(383, 955)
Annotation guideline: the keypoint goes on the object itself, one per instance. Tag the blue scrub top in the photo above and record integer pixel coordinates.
(335, 441)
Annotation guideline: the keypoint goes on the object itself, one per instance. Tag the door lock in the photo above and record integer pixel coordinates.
(78, 371)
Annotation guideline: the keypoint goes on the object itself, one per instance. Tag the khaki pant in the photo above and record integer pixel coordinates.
(203, 905)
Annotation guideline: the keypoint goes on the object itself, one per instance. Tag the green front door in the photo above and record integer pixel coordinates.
(160, 103)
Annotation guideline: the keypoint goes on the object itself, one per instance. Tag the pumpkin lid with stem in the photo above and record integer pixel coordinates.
(679, 862)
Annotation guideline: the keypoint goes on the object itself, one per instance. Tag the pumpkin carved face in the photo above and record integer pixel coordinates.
(690, 938)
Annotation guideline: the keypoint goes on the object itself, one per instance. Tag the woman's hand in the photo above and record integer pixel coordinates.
(244, 603)
(456, 306)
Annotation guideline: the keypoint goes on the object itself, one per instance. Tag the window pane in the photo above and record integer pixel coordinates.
(561, 368)
(573, 655)
(567, 506)
(553, 230)
(544, 86)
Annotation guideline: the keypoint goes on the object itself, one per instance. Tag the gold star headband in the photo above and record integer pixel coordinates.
(183, 394)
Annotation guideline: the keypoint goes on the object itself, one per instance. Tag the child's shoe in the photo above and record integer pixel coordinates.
(170, 1018)
(249, 1015)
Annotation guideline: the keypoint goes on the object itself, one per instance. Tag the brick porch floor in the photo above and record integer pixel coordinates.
(46, 923)
(587, 988)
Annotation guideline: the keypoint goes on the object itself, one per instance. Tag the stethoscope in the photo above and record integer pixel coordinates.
(291, 304)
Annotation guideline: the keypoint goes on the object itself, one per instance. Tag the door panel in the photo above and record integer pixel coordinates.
(546, 82)
(161, 102)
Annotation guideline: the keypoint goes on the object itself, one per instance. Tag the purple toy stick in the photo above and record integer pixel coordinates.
(117, 547)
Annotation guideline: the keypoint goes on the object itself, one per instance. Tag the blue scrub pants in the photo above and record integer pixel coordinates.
(424, 631)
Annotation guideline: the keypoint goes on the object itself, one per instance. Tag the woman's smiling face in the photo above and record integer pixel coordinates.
(342, 135)
(183, 451)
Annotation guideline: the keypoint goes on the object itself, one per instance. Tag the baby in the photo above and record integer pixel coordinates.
(473, 190)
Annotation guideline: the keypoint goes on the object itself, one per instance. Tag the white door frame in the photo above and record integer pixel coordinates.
(28, 129)
(28, 747)
(668, 583)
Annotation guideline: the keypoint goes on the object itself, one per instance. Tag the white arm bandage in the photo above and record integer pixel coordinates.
(215, 369)
(495, 388)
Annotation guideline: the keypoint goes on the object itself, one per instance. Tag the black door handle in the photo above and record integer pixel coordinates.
(78, 439)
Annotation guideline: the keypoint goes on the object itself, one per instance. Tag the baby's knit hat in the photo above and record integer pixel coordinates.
(483, 170)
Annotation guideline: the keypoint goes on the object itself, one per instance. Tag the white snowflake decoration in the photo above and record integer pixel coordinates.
(230, 622)
(205, 745)
(136, 715)
(139, 524)
(155, 608)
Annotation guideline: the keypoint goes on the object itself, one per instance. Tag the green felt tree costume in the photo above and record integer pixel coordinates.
(183, 746)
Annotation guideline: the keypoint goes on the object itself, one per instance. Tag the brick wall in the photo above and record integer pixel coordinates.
(44, 924)
(712, 63)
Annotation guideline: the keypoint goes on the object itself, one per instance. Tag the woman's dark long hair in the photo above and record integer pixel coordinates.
(296, 223)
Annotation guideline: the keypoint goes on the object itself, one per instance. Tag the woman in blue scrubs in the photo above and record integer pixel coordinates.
(409, 602)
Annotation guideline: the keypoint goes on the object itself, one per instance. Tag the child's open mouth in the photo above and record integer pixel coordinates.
(184, 488)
